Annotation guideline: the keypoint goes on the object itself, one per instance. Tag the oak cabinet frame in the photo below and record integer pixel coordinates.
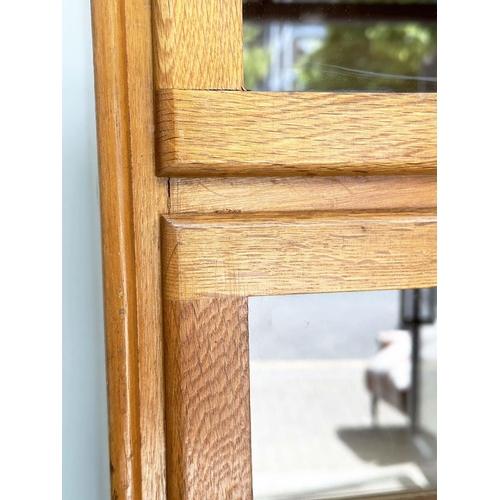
(216, 134)
(176, 316)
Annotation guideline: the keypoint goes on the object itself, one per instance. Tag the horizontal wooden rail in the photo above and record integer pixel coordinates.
(297, 252)
(275, 194)
(217, 133)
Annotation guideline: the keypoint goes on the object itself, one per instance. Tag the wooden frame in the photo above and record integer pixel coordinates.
(211, 264)
(294, 133)
(177, 353)
(233, 255)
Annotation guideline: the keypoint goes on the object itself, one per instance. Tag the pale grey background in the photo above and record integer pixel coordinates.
(84, 435)
(320, 326)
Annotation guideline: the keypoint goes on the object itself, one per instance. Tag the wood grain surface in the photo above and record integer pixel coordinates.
(198, 45)
(297, 252)
(208, 399)
(118, 252)
(240, 194)
(132, 198)
(202, 134)
(150, 199)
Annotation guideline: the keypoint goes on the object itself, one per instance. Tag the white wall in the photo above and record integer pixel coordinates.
(85, 440)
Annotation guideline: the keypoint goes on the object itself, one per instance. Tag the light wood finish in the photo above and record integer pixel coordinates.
(198, 45)
(119, 274)
(131, 247)
(208, 399)
(150, 200)
(202, 134)
(297, 252)
(240, 194)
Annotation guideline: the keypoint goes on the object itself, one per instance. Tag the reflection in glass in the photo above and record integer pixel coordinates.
(332, 406)
(350, 53)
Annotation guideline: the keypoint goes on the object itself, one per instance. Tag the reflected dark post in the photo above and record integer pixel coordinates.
(411, 320)
(418, 307)
(415, 361)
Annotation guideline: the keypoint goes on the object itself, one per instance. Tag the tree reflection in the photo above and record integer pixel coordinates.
(256, 56)
(376, 57)
(371, 58)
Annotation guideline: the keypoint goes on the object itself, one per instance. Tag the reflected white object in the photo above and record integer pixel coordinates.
(388, 375)
(393, 360)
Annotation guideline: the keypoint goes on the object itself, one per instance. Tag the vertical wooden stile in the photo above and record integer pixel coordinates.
(208, 405)
(115, 182)
(199, 45)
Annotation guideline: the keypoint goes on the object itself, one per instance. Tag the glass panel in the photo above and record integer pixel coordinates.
(332, 406)
(357, 47)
